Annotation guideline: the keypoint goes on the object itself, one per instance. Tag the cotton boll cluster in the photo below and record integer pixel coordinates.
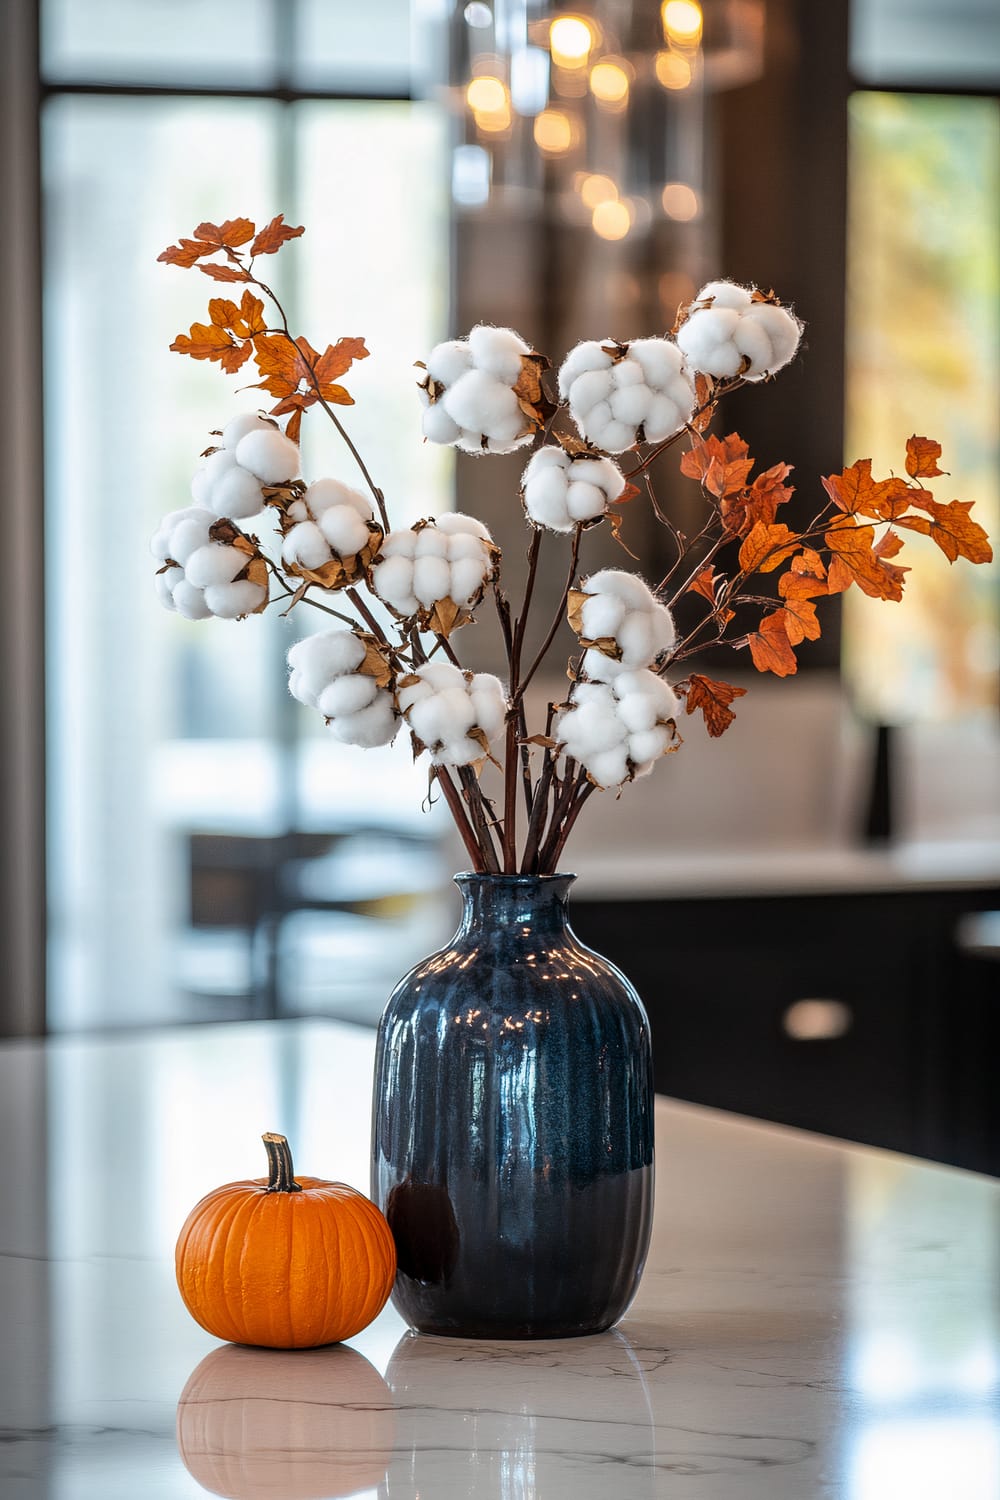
(562, 491)
(469, 392)
(623, 394)
(731, 330)
(436, 571)
(618, 730)
(254, 453)
(207, 567)
(454, 714)
(330, 534)
(343, 675)
(619, 617)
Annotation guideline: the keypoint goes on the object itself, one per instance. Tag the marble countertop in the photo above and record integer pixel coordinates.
(816, 1320)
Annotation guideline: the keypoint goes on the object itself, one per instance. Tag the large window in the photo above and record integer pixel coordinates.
(211, 851)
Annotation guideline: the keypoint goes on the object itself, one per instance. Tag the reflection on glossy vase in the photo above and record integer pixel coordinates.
(263, 1424)
(515, 1422)
(513, 1124)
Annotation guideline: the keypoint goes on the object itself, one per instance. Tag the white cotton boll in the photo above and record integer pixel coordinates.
(237, 495)
(231, 601)
(509, 434)
(586, 356)
(614, 436)
(463, 545)
(544, 460)
(627, 372)
(598, 471)
(201, 487)
(636, 640)
(602, 615)
(592, 726)
(725, 294)
(268, 454)
(455, 523)
(659, 359)
(783, 331)
(443, 716)
(449, 360)
(327, 654)
(489, 702)
(393, 582)
(431, 580)
(600, 668)
(166, 583)
(344, 529)
(369, 728)
(585, 501)
(399, 544)
(305, 546)
(631, 404)
(298, 511)
(665, 417)
(191, 602)
(467, 575)
(430, 542)
(214, 563)
(190, 534)
(608, 767)
(238, 427)
(621, 585)
(476, 401)
(498, 351)
(637, 711)
(546, 486)
(458, 752)
(589, 389)
(438, 426)
(647, 745)
(324, 493)
(442, 676)
(347, 695)
(751, 339)
(548, 507)
(471, 442)
(706, 339)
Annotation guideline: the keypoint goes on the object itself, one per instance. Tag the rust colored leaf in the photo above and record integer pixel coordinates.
(628, 493)
(210, 341)
(953, 529)
(338, 358)
(279, 362)
(713, 698)
(767, 492)
(226, 236)
(853, 489)
(922, 454)
(293, 427)
(722, 465)
(766, 548)
(770, 647)
(853, 551)
(889, 545)
(271, 238)
(185, 252)
(704, 584)
(223, 273)
(800, 620)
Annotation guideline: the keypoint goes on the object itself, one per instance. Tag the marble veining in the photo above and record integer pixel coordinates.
(817, 1321)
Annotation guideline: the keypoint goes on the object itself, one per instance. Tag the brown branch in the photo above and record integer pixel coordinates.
(454, 801)
(567, 827)
(557, 621)
(475, 801)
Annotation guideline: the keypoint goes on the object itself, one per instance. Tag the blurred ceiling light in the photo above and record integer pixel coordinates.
(673, 70)
(478, 14)
(595, 188)
(612, 219)
(486, 96)
(609, 82)
(680, 201)
(682, 22)
(555, 132)
(571, 39)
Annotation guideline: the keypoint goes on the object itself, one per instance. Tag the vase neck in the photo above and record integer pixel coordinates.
(535, 903)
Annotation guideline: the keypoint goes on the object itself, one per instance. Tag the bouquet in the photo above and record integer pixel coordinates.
(400, 597)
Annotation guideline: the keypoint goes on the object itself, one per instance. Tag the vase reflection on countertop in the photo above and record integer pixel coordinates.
(515, 1421)
(268, 1424)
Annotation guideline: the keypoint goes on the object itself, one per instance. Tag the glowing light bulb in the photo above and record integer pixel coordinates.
(680, 202)
(609, 83)
(596, 188)
(570, 41)
(478, 14)
(612, 219)
(681, 22)
(486, 96)
(493, 122)
(554, 132)
(672, 70)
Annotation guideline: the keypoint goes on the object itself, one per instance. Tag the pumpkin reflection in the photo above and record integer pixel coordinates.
(255, 1424)
(505, 1421)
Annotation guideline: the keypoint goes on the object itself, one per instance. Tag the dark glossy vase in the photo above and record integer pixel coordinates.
(512, 1143)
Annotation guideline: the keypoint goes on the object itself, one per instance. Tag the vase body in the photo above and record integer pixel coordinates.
(512, 1148)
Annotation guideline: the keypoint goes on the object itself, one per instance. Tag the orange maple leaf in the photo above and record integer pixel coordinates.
(274, 235)
(704, 583)
(953, 529)
(215, 342)
(208, 238)
(223, 273)
(713, 698)
(761, 501)
(922, 455)
(722, 465)
(800, 620)
(770, 647)
(855, 561)
(766, 548)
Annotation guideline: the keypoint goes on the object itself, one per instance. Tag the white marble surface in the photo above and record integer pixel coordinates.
(816, 1320)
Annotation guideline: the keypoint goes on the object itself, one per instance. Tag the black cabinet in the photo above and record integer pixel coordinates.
(857, 1014)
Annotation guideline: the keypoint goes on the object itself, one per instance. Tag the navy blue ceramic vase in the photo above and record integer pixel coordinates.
(512, 1146)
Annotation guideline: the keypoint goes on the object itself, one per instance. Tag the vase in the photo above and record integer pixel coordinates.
(512, 1149)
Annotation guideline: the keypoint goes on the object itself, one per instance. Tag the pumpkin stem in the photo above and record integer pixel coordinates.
(281, 1173)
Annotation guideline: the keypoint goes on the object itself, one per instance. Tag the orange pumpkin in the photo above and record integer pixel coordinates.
(283, 1263)
(255, 1424)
